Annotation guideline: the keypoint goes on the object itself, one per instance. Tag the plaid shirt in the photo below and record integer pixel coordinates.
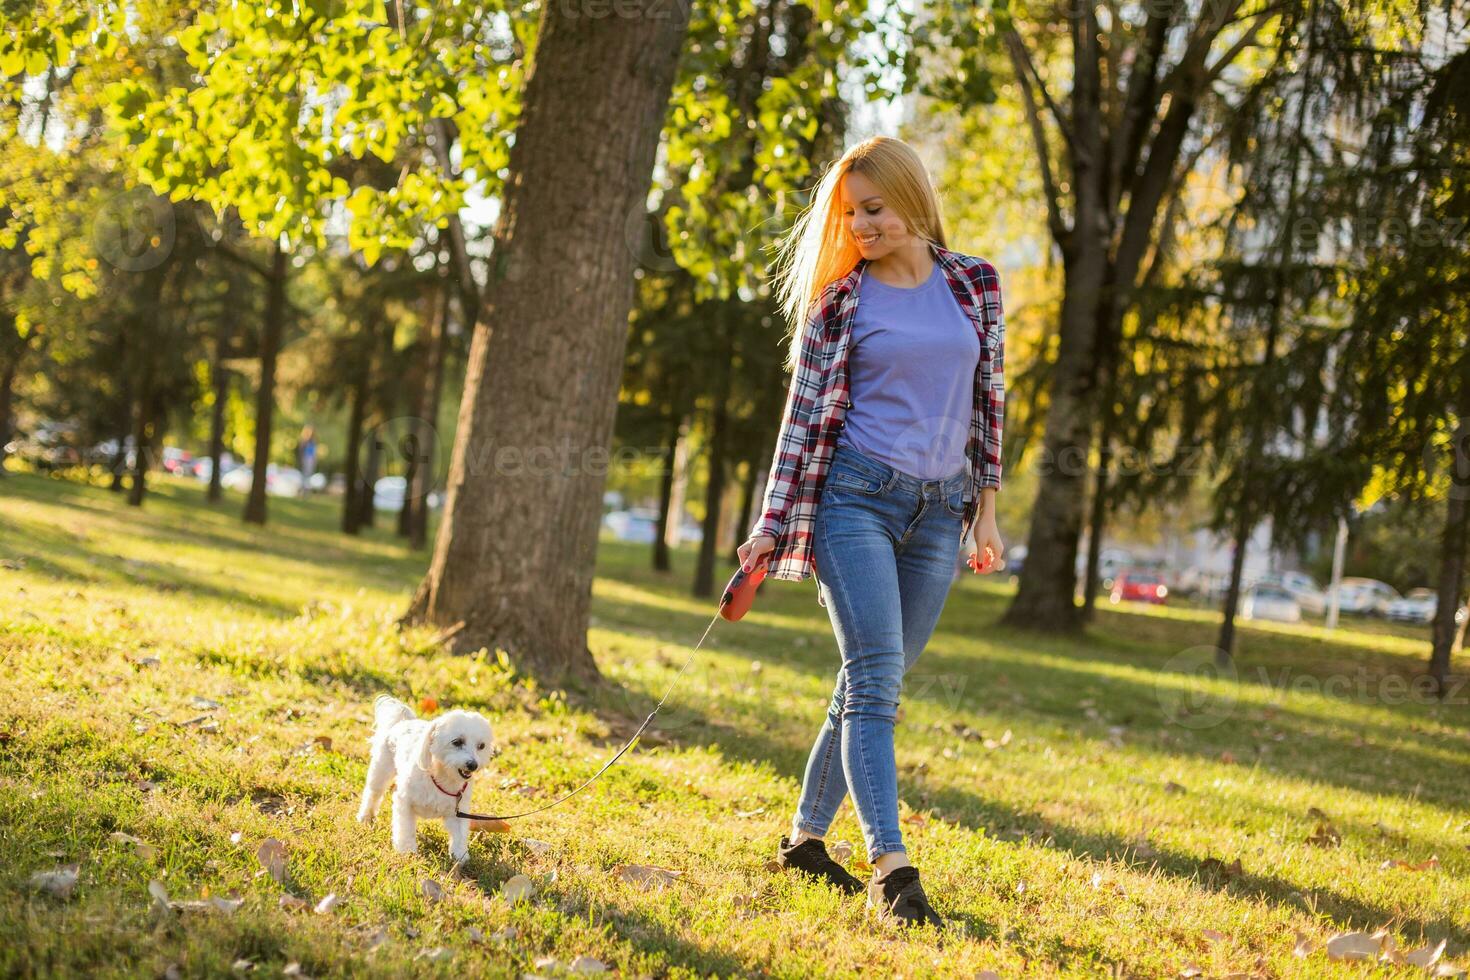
(818, 401)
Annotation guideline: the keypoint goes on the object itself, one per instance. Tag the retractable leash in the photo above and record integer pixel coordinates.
(735, 602)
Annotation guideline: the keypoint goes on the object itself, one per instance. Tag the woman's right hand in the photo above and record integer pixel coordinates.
(751, 551)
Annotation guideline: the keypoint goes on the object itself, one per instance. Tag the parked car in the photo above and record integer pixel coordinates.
(1419, 606)
(280, 481)
(178, 461)
(1139, 586)
(1302, 587)
(49, 447)
(1266, 601)
(1364, 596)
(639, 525)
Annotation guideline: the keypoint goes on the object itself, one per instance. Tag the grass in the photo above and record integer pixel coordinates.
(1077, 806)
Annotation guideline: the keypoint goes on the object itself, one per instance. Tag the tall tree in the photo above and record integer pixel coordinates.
(513, 561)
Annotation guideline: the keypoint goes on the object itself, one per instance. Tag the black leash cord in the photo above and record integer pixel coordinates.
(690, 659)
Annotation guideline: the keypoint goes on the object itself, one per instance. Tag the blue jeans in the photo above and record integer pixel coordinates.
(886, 549)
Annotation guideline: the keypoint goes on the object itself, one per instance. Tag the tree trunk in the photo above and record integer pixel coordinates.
(1045, 596)
(746, 516)
(514, 559)
(350, 512)
(219, 378)
(661, 561)
(7, 386)
(1452, 555)
(424, 481)
(265, 397)
(1098, 519)
(141, 438)
(714, 490)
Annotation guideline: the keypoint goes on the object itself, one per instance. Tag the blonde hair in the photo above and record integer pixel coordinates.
(818, 249)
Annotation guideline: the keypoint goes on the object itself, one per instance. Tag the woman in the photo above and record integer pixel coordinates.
(892, 424)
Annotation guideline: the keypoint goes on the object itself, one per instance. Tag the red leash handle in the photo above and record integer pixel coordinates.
(739, 594)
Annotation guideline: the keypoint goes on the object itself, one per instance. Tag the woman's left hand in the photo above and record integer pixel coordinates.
(987, 543)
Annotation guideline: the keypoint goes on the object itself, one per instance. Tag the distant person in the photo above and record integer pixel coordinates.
(887, 463)
(306, 458)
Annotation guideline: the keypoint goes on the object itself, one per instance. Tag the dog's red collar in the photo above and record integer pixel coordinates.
(445, 791)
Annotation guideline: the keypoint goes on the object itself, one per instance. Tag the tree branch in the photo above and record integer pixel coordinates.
(1059, 230)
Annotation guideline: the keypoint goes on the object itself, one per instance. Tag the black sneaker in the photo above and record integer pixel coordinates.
(899, 897)
(811, 856)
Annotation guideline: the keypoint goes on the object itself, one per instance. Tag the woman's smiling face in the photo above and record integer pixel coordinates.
(875, 227)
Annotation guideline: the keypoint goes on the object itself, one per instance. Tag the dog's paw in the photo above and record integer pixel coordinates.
(364, 816)
(460, 857)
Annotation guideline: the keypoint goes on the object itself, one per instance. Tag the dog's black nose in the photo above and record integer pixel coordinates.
(473, 765)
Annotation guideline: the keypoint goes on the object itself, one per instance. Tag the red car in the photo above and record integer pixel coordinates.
(1140, 587)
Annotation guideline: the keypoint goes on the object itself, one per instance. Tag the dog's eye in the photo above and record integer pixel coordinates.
(481, 745)
(457, 742)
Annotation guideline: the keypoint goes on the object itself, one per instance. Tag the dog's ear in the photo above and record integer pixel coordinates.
(426, 749)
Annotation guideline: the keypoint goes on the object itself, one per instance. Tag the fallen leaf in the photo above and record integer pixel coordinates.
(1325, 835)
(59, 883)
(431, 890)
(325, 741)
(326, 904)
(648, 876)
(588, 964)
(293, 903)
(272, 856)
(841, 851)
(1212, 935)
(474, 935)
(1217, 866)
(536, 846)
(1172, 787)
(145, 851)
(428, 706)
(1353, 946)
(517, 888)
(1432, 862)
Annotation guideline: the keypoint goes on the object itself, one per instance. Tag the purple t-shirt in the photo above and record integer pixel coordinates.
(911, 377)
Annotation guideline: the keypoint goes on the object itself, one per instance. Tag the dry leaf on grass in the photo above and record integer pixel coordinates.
(272, 856)
(293, 903)
(1432, 862)
(1216, 866)
(517, 888)
(59, 883)
(1325, 835)
(1351, 946)
(431, 890)
(144, 850)
(649, 877)
(587, 964)
(1172, 787)
(160, 895)
(841, 851)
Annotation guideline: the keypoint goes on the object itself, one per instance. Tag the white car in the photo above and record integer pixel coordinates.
(1364, 596)
(1302, 587)
(1419, 606)
(1271, 602)
(280, 481)
(637, 525)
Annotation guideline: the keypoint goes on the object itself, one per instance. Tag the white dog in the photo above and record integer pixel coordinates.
(432, 763)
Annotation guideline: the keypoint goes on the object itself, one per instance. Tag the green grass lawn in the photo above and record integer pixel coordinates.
(178, 687)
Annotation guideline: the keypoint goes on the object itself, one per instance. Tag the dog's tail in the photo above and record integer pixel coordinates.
(389, 711)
